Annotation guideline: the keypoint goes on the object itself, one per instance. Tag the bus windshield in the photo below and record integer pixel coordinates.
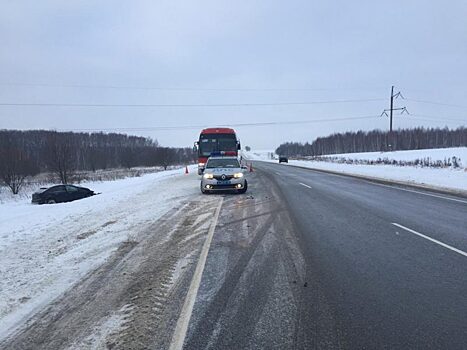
(209, 143)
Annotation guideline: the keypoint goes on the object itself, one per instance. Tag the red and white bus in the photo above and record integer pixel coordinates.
(216, 140)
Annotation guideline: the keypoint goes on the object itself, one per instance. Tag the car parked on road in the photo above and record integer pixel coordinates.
(223, 174)
(283, 159)
(60, 194)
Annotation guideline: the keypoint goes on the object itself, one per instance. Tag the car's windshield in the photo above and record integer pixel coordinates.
(223, 163)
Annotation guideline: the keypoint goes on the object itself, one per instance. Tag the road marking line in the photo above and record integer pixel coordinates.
(305, 185)
(181, 328)
(395, 186)
(431, 239)
(419, 192)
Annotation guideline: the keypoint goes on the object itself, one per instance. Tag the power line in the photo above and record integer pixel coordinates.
(103, 105)
(236, 125)
(435, 103)
(122, 87)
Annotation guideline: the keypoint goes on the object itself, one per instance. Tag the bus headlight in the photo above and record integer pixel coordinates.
(238, 175)
(201, 165)
(208, 176)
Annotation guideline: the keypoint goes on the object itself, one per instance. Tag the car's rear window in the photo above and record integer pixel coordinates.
(223, 163)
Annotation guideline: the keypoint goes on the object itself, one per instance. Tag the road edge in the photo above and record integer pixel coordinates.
(181, 328)
(436, 189)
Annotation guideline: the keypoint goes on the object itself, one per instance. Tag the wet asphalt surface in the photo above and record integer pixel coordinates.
(308, 260)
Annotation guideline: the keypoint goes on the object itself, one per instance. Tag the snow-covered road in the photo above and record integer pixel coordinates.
(45, 249)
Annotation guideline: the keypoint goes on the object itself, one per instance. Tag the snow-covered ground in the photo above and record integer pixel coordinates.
(434, 154)
(266, 154)
(447, 178)
(45, 249)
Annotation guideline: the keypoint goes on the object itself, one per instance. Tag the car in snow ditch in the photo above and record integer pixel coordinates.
(223, 174)
(60, 194)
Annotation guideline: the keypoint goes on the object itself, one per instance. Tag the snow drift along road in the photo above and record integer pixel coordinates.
(45, 249)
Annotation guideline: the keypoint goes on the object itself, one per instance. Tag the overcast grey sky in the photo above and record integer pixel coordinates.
(231, 52)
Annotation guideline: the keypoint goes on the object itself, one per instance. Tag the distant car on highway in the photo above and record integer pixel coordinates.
(223, 174)
(60, 194)
(283, 159)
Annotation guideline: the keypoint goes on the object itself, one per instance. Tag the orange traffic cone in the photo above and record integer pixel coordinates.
(186, 169)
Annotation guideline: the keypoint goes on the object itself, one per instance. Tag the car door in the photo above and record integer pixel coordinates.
(57, 193)
(73, 193)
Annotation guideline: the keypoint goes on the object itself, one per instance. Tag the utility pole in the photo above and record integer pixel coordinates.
(391, 110)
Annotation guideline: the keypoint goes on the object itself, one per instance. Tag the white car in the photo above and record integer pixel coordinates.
(223, 174)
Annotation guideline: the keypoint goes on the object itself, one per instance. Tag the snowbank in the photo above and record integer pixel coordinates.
(45, 249)
(436, 154)
(260, 154)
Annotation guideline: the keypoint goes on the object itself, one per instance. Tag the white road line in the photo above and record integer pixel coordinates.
(305, 185)
(431, 239)
(181, 328)
(395, 186)
(419, 192)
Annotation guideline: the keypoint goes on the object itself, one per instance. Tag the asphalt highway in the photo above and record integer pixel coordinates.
(312, 260)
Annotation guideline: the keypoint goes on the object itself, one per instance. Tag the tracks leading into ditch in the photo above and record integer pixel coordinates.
(130, 301)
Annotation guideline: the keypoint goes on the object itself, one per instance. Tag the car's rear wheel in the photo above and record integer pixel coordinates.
(51, 201)
(243, 190)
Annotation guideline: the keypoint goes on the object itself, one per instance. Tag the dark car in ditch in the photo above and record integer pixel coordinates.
(60, 194)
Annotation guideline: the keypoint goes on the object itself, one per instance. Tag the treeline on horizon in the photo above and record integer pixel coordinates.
(377, 141)
(27, 153)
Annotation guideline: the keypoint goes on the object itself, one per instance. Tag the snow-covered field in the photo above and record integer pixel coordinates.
(446, 178)
(45, 249)
(266, 154)
(435, 154)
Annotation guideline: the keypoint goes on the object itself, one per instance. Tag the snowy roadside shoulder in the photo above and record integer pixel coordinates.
(45, 249)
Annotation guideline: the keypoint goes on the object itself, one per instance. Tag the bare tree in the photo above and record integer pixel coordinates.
(128, 157)
(15, 166)
(60, 156)
(166, 156)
